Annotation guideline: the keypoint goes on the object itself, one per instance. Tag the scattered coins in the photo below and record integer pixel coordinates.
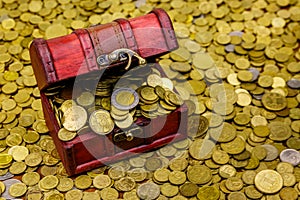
(236, 69)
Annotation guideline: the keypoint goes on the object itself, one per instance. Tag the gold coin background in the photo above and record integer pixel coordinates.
(218, 40)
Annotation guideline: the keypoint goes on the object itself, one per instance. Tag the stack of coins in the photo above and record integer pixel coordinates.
(127, 101)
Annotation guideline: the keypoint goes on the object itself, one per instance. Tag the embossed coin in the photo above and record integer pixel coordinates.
(148, 191)
(17, 189)
(268, 181)
(74, 118)
(101, 122)
(274, 101)
(124, 98)
(65, 135)
(290, 156)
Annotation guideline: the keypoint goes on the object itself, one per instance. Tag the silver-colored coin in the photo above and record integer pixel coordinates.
(272, 152)
(122, 98)
(6, 176)
(291, 156)
(293, 83)
(148, 191)
(254, 72)
(236, 33)
(230, 47)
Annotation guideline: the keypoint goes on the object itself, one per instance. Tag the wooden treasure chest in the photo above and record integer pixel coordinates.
(104, 97)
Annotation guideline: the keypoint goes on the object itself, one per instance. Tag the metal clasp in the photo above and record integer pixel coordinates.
(119, 55)
(127, 135)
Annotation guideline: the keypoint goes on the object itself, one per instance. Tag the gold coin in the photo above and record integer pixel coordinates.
(74, 195)
(48, 182)
(177, 177)
(5, 159)
(83, 182)
(288, 193)
(109, 193)
(268, 181)
(235, 146)
(169, 190)
(85, 99)
(199, 174)
(55, 30)
(138, 174)
(17, 189)
(274, 101)
(101, 181)
(17, 167)
(33, 159)
(153, 164)
(101, 122)
(208, 192)
(173, 98)
(161, 175)
(65, 135)
(65, 184)
(116, 172)
(74, 118)
(31, 178)
(148, 93)
(125, 184)
(18, 153)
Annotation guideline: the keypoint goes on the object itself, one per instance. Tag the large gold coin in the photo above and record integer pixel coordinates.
(274, 101)
(101, 122)
(74, 118)
(268, 181)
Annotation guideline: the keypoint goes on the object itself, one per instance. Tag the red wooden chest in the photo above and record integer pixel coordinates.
(84, 56)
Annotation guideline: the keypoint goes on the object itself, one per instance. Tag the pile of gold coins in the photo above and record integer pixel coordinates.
(94, 110)
(237, 69)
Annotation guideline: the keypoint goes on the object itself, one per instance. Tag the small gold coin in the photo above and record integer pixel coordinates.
(177, 177)
(148, 93)
(55, 30)
(208, 192)
(109, 193)
(101, 181)
(33, 159)
(48, 182)
(17, 189)
(5, 159)
(83, 182)
(125, 184)
(18, 153)
(65, 184)
(268, 181)
(235, 146)
(65, 135)
(85, 99)
(31, 178)
(74, 195)
(169, 190)
(138, 174)
(101, 122)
